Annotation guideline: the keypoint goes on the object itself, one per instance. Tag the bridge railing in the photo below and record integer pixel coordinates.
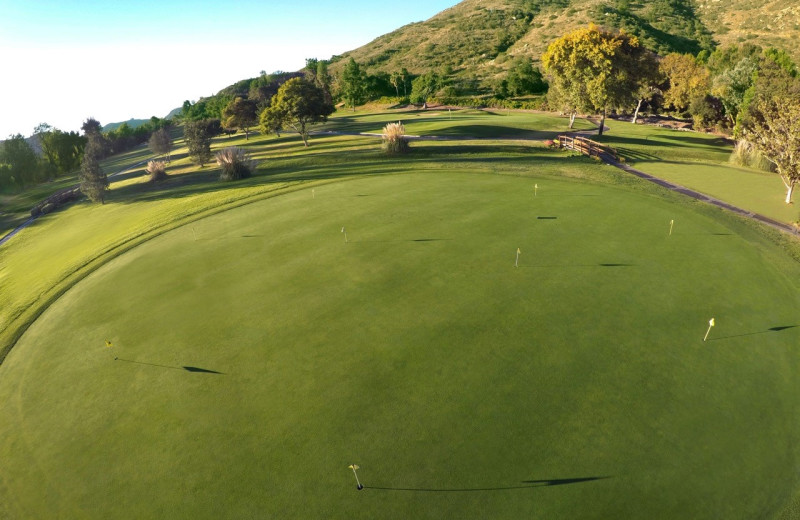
(586, 146)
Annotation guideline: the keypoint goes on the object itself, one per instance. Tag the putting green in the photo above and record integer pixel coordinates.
(260, 355)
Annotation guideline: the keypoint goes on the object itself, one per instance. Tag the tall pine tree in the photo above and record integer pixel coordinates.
(94, 182)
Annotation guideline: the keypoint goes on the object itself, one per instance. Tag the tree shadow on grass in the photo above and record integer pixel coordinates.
(527, 484)
(771, 329)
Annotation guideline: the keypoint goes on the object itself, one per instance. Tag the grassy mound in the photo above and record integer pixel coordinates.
(260, 355)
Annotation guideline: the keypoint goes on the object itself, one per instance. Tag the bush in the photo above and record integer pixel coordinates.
(745, 154)
(236, 164)
(157, 170)
(394, 139)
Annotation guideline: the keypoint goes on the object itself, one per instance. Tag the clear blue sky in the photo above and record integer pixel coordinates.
(66, 60)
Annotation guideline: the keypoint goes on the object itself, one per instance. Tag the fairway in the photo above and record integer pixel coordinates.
(260, 354)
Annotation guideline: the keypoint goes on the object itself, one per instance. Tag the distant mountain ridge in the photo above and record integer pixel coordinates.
(477, 39)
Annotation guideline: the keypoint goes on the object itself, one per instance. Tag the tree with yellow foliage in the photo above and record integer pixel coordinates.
(593, 70)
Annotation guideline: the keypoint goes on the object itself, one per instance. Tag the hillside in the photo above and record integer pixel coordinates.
(476, 39)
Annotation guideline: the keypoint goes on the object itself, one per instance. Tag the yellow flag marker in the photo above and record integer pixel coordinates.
(110, 345)
(516, 262)
(535, 189)
(710, 324)
(354, 467)
(671, 223)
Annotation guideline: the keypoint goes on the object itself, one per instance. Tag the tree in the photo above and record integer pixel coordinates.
(62, 150)
(93, 181)
(161, 143)
(310, 70)
(425, 86)
(240, 113)
(298, 105)
(93, 131)
(731, 85)
(772, 122)
(595, 70)
(323, 80)
(686, 80)
(198, 141)
(524, 78)
(353, 84)
(396, 79)
(22, 160)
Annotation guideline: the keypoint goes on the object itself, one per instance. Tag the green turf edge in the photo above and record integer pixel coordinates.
(25, 318)
(749, 229)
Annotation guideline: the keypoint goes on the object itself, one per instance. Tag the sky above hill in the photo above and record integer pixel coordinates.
(66, 60)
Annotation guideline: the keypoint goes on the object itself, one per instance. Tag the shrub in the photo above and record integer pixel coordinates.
(394, 139)
(157, 170)
(235, 162)
(744, 154)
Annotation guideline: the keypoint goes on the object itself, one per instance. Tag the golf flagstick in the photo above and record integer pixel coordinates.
(354, 467)
(516, 262)
(111, 346)
(710, 324)
(345, 234)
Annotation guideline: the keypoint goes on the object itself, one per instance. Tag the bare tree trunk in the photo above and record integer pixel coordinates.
(572, 120)
(789, 193)
(602, 123)
(636, 112)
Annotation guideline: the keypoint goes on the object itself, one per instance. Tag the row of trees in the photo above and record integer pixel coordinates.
(754, 93)
(60, 152)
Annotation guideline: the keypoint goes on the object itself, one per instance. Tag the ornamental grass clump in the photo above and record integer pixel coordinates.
(236, 164)
(394, 139)
(157, 170)
(745, 154)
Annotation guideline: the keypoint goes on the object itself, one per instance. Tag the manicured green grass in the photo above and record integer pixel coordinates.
(700, 162)
(495, 124)
(576, 385)
(15, 208)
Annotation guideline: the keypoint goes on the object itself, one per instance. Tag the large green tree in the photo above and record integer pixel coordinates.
(771, 122)
(22, 160)
(425, 86)
(198, 140)
(353, 84)
(593, 70)
(240, 113)
(524, 78)
(298, 104)
(64, 149)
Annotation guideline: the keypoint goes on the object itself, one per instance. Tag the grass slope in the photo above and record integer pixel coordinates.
(700, 161)
(576, 385)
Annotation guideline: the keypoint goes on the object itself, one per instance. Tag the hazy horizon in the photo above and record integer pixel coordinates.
(70, 60)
